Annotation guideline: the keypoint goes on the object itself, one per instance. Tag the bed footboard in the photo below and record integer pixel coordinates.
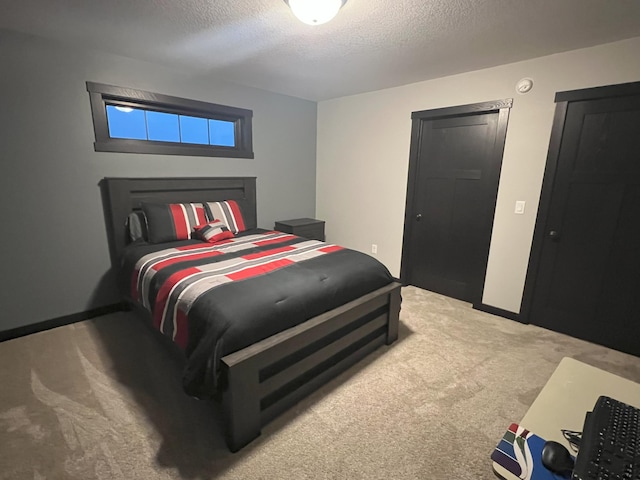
(268, 377)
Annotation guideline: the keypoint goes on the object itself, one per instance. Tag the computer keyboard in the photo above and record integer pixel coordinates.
(610, 445)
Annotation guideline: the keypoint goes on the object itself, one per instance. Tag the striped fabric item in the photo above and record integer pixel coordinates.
(229, 212)
(173, 221)
(204, 272)
(212, 232)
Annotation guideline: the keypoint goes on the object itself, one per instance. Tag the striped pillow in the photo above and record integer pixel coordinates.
(229, 212)
(173, 221)
(212, 232)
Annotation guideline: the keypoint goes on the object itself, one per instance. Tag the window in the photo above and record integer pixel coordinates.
(134, 121)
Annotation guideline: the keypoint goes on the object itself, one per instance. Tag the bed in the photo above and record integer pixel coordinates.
(297, 339)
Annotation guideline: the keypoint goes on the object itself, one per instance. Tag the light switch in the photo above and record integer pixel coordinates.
(520, 207)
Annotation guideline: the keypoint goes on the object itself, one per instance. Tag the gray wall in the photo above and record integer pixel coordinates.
(53, 247)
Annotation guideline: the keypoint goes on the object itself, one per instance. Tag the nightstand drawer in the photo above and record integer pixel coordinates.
(303, 227)
(314, 232)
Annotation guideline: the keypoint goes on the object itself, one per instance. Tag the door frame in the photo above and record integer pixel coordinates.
(502, 107)
(562, 100)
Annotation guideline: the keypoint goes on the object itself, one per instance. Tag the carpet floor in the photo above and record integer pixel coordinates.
(102, 399)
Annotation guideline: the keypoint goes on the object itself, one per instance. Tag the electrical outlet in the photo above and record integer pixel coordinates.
(374, 248)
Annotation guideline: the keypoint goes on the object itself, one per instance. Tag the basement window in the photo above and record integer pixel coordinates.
(135, 121)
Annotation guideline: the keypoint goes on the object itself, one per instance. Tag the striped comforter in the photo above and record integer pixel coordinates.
(214, 299)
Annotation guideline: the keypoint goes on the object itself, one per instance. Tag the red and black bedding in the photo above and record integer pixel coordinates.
(216, 298)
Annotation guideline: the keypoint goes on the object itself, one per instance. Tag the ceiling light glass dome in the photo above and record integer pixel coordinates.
(315, 12)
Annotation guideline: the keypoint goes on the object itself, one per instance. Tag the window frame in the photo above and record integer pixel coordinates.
(102, 95)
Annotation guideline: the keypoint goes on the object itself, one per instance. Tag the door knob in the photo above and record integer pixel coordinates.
(553, 235)
(418, 217)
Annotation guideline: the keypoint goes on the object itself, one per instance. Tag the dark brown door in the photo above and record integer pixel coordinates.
(453, 182)
(588, 274)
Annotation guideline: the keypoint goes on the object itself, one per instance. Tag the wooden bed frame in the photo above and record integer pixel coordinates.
(263, 379)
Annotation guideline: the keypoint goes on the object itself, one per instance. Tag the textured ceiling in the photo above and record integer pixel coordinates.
(371, 44)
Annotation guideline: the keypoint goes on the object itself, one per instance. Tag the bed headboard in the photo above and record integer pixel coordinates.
(121, 196)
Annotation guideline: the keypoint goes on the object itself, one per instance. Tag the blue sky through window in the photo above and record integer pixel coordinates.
(126, 123)
(194, 130)
(139, 124)
(163, 127)
(222, 133)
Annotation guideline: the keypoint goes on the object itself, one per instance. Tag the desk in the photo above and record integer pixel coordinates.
(570, 392)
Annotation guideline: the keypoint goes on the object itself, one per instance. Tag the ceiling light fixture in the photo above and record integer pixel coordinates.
(315, 12)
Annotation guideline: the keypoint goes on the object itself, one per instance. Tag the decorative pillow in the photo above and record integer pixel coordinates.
(173, 221)
(212, 232)
(137, 226)
(229, 212)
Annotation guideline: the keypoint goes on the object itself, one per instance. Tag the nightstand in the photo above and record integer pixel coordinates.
(303, 227)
